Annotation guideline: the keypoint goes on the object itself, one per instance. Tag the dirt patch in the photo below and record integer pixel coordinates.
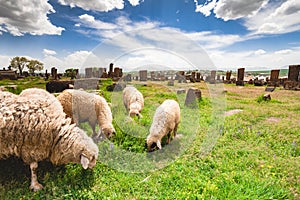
(232, 112)
(273, 119)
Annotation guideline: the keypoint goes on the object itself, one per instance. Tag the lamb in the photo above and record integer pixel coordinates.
(133, 101)
(165, 120)
(35, 130)
(82, 106)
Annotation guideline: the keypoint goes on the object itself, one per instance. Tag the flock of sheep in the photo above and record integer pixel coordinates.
(37, 126)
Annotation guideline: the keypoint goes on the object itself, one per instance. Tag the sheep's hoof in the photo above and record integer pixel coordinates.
(36, 187)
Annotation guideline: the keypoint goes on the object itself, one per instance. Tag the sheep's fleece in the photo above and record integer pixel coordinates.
(33, 129)
(82, 106)
(165, 120)
(133, 101)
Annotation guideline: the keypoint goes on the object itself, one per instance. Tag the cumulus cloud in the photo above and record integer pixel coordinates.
(277, 18)
(48, 52)
(27, 16)
(259, 16)
(98, 5)
(205, 8)
(135, 2)
(230, 9)
(260, 52)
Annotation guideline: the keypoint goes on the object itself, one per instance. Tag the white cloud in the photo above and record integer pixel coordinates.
(260, 52)
(206, 8)
(276, 19)
(259, 16)
(283, 51)
(96, 5)
(48, 52)
(230, 9)
(135, 2)
(89, 21)
(27, 16)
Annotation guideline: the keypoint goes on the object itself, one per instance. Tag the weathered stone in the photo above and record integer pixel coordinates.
(180, 91)
(294, 73)
(240, 77)
(115, 87)
(192, 97)
(267, 97)
(143, 75)
(171, 83)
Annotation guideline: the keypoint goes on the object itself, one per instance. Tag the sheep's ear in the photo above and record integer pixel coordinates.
(158, 144)
(140, 115)
(84, 162)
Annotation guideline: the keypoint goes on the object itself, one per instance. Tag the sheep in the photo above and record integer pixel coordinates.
(34, 130)
(82, 106)
(34, 93)
(7, 95)
(133, 101)
(165, 120)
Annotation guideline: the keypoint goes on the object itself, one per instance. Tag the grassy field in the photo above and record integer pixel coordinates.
(253, 154)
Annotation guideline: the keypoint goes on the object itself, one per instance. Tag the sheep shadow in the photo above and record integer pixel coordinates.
(16, 175)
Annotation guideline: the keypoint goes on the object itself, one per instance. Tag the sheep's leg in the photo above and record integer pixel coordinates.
(169, 138)
(94, 135)
(35, 185)
(175, 130)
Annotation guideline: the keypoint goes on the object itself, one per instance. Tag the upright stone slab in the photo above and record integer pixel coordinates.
(294, 73)
(143, 75)
(192, 97)
(212, 78)
(228, 75)
(240, 77)
(198, 77)
(111, 70)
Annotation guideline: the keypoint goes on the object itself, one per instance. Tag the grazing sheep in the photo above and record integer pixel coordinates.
(133, 101)
(35, 130)
(165, 120)
(4, 96)
(33, 93)
(82, 106)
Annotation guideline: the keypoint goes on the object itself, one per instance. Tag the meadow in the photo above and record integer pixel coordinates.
(252, 154)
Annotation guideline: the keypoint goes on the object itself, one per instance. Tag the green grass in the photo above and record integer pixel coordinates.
(256, 156)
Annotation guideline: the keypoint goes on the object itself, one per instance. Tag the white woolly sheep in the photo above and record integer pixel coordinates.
(33, 93)
(133, 101)
(82, 106)
(35, 130)
(7, 95)
(165, 120)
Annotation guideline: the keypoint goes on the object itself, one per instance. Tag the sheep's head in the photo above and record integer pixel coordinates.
(134, 110)
(134, 113)
(88, 154)
(75, 147)
(108, 131)
(153, 144)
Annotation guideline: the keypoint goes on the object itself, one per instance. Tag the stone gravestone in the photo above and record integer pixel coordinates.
(212, 78)
(294, 73)
(240, 77)
(192, 97)
(54, 73)
(143, 75)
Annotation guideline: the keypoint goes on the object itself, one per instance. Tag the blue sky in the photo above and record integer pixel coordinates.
(176, 34)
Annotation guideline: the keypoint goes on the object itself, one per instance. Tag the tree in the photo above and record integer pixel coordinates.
(19, 63)
(35, 65)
